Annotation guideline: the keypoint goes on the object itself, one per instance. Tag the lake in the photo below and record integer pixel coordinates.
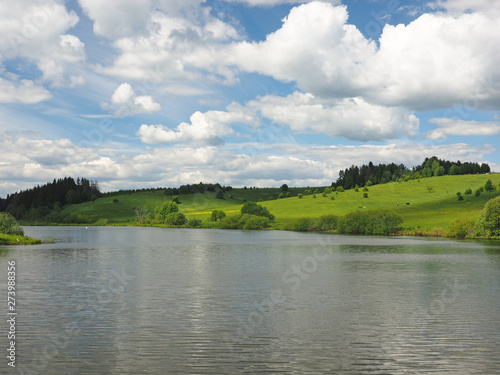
(125, 300)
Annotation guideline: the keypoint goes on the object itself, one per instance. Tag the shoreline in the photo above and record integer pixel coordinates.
(400, 233)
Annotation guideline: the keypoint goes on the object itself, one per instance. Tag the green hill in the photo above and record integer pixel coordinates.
(428, 205)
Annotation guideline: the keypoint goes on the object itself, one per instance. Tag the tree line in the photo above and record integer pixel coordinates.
(43, 199)
(371, 174)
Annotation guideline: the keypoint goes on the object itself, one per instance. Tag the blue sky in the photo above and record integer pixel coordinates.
(150, 93)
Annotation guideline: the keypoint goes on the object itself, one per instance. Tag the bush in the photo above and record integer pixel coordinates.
(488, 186)
(460, 196)
(257, 222)
(370, 222)
(477, 193)
(176, 218)
(365, 189)
(115, 200)
(369, 183)
(253, 208)
(328, 222)
(102, 222)
(304, 224)
(300, 196)
(9, 225)
(217, 215)
(229, 223)
(365, 195)
(194, 223)
(461, 228)
(468, 191)
(168, 207)
(488, 223)
(341, 189)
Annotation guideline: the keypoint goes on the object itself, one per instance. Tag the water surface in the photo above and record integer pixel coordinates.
(181, 301)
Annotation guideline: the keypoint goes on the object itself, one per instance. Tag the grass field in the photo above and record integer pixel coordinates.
(428, 205)
(6, 239)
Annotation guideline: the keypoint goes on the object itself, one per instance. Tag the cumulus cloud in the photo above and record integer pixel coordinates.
(446, 126)
(205, 128)
(124, 102)
(175, 50)
(315, 48)
(35, 30)
(415, 65)
(25, 92)
(352, 118)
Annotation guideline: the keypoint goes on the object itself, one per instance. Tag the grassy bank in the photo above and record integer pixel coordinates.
(6, 239)
(428, 206)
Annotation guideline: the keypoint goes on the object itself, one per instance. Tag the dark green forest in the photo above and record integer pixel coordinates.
(371, 174)
(40, 200)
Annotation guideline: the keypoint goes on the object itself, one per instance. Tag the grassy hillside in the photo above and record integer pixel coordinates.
(428, 205)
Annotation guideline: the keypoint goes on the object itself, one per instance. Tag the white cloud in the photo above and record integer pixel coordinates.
(314, 47)
(24, 91)
(457, 7)
(353, 119)
(124, 102)
(269, 3)
(175, 50)
(437, 61)
(205, 128)
(42, 160)
(446, 126)
(35, 30)
(118, 18)
(415, 66)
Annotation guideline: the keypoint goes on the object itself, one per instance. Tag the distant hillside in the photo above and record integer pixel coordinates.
(427, 205)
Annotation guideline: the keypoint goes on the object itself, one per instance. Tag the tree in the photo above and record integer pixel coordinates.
(219, 194)
(218, 215)
(167, 208)
(488, 186)
(488, 223)
(176, 218)
(253, 208)
(9, 225)
(284, 187)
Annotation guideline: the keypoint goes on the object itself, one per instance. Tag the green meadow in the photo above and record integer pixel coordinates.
(427, 206)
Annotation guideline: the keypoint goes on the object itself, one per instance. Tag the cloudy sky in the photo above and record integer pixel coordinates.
(150, 93)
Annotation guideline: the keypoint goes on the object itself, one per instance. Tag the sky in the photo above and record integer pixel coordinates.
(158, 93)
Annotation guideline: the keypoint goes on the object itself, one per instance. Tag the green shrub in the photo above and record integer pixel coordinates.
(341, 189)
(217, 215)
(468, 191)
(253, 208)
(300, 196)
(488, 186)
(194, 223)
(477, 193)
(461, 228)
(229, 222)
(102, 222)
(382, 222)
(304, 224)
(176, 218)
(365, 195)
(257, 222)
(488, 223)
(9, 225)
(365, 189)
(327, 222)
(168, 207)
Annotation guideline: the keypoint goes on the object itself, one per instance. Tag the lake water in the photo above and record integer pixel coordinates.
(193, 301)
